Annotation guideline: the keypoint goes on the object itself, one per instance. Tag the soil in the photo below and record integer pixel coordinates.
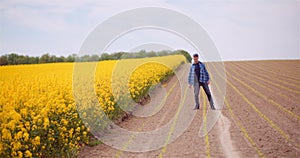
(264, 123)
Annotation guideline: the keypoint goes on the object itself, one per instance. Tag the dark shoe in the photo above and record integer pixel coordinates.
(212, 105)
(196, 108)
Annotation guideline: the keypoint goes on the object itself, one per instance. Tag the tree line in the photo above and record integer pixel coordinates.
(15, 59)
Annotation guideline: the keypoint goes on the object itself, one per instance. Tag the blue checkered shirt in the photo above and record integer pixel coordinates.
(204, 76)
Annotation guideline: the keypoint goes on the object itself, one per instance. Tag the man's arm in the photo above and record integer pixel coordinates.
(190, 77)
(207, 74)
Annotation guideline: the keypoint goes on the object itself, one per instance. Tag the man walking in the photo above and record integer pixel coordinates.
(198, 76)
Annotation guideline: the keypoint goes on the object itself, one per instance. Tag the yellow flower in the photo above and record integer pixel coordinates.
(28, 153)
(6, 134)
(1, 148)
(16, 146)
(19, 135)
(42, 95)
(36, 141)
(27, 125)
(46, 122)
(34, 127)
(26, 136)
(78, 129)
(20, 154)
(71, 132)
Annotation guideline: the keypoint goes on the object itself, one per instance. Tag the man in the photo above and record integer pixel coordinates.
(198, 76)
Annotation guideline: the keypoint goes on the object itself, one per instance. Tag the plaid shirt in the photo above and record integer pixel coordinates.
(204, 76)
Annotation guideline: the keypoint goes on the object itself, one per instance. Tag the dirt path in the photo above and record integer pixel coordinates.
(224, 135)
(249, 125)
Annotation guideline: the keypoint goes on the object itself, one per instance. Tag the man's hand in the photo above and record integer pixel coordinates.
(190, 86)
(208, 82)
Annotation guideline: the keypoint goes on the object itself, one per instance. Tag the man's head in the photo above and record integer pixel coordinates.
(195, 57)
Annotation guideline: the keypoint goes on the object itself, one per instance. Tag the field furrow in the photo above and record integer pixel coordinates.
(271, 72)
(288, 68)
(267, 78)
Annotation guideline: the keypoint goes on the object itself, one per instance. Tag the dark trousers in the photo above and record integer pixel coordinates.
(197, 86)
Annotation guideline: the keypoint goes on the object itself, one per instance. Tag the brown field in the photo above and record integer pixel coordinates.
(260, 118)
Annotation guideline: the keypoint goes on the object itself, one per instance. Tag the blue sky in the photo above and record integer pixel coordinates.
(240, 29)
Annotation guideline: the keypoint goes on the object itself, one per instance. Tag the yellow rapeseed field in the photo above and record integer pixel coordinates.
(38, 112)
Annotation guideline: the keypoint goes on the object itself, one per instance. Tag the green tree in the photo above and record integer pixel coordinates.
(33, 60)
(105, 56)
(52, 59)
(94, 58)
(45, 58)
(60, 59)
(71, 58)
(185, 53)
(12, 59)
(3, 60)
